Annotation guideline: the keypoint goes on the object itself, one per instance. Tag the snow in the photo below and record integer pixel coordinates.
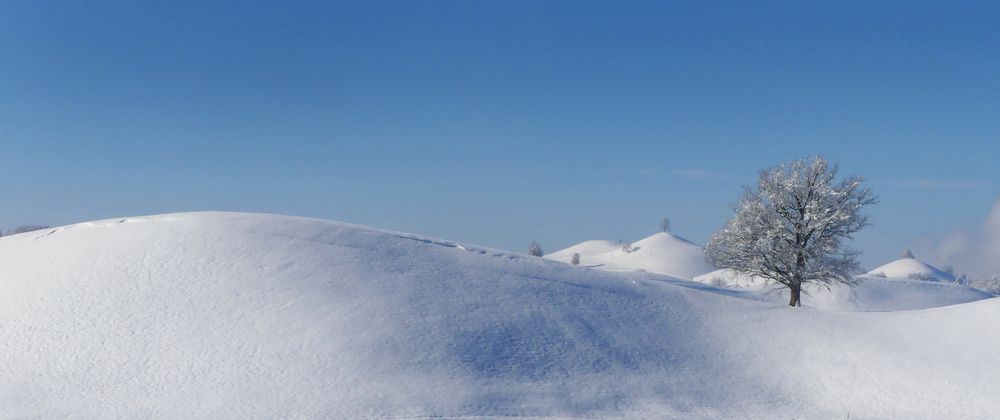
(912, 268)
(871, 293)
(733, 279)
(227, 315)
(661, 253)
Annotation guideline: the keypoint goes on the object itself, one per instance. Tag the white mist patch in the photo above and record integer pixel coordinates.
(974, 252)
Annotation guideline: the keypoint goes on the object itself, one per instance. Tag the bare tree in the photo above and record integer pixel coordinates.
(665, 225)
(790, 227)
(576, 259)
(535, 249)
(906, 254)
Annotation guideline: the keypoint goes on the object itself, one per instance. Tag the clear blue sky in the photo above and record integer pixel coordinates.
(495, 122)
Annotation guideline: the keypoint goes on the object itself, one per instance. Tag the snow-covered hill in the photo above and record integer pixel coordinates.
(913, 269)
(661, 253)
(222, 315)
(871, 293)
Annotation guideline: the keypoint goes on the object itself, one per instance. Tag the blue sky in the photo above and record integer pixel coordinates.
(496, 123)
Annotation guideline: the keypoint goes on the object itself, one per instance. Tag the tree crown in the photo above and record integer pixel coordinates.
(791, 226)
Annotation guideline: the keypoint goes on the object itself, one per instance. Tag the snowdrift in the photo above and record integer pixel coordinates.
(661, 253)
(913, 269)
(871, 293)
(222, 315)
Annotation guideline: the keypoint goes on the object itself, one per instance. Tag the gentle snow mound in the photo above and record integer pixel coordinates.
(661, 253)
(913, 269)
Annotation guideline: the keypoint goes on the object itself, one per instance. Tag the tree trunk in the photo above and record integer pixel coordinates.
(796, 294)
(800, 264)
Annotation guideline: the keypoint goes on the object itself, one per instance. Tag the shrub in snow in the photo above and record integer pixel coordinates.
(535, 249)
(906, 254)
(576, 259)
(25, 229)
(790, 227)
(962, 279)
(627, 248)
(922, 277)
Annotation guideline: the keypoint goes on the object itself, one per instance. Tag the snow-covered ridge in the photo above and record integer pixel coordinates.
(913, 269)
(870, 293)
(661, 253)
(226, 315)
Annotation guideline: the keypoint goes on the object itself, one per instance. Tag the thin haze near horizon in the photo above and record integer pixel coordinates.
(496, 123)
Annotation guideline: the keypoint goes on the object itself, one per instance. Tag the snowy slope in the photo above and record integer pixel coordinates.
(733, 279)
(871, 293)
(222, 315)
(661, 253)
(912, 268)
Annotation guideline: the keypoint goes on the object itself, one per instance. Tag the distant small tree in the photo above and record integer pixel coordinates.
(627, 247)
(906, 254)
(535, 249)
(790, 228)
(665, 225)
(576, 259)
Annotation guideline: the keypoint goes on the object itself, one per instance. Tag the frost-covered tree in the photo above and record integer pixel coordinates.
(989, 285)
(576, 259)
(665, 225)
(906, 254)
(535, 249)
(790, 228)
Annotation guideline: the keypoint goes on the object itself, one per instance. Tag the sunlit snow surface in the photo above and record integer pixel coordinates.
(911, 268)
(223, 315)
(662, 253)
